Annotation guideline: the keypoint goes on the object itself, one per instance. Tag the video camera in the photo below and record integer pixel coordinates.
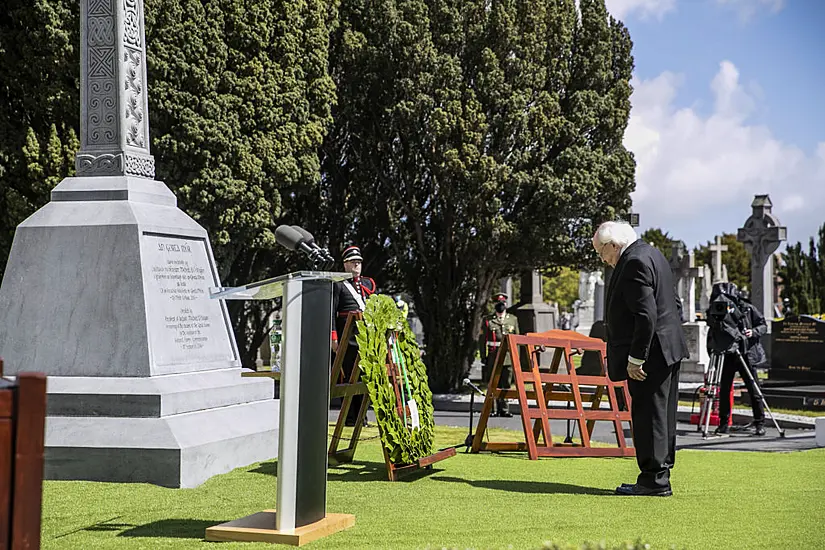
(726, 319)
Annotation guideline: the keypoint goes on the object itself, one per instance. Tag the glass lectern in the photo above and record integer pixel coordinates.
(304, 408)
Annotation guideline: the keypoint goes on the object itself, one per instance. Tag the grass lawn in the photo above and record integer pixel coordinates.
(722, 500)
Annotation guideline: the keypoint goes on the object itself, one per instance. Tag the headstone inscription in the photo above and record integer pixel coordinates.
(106, 291)
(798, 349)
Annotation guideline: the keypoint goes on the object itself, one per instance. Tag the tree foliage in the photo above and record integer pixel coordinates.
(561, 287)
(240, 101)
(474, 139)
(39, 106)
(736, 259)
(802, 275)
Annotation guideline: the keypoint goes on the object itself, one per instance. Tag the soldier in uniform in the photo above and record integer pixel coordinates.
(349, 296)
(494, 328)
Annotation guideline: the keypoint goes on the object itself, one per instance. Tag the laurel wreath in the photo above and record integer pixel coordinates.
(403, 444)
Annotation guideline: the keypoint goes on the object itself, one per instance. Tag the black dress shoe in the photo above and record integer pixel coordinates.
(641, 491)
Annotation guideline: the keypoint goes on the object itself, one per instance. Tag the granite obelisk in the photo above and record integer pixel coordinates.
(107, 292)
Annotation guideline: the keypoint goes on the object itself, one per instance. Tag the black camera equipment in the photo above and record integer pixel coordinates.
(727, 323)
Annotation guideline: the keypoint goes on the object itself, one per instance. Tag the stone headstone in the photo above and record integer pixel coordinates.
(761, 235)
(798, 349)
(695, 366)
(533, 313)
(707, 288)
(106, 291)
(586, 308)
(716, 249)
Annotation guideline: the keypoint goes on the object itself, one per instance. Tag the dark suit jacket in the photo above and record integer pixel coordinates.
(643, 312)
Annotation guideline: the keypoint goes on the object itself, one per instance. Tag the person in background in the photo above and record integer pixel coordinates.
(347, 297)
(494, 328)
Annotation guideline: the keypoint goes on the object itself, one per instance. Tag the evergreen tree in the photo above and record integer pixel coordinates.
(39, 106)
(239, 101)
(475, 139)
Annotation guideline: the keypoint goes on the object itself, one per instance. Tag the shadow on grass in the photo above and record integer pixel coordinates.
(173, 528)
(357, 470)
(531, 487)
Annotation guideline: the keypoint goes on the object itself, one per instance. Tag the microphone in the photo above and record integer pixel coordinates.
(467, 382)
(293, 239)
(308, 238)
(322, 253)
(288, 237)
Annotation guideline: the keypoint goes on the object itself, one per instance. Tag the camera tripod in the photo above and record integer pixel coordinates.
(714, 382)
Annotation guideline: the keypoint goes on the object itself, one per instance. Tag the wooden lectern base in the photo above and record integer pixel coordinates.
(260, 527)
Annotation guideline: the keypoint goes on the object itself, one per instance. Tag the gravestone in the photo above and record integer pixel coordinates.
(107, 292)
(798, 349)
(720, 274)
(705, 292)
(586, 307)
(685, 273)
(761, 236)
(533, 313)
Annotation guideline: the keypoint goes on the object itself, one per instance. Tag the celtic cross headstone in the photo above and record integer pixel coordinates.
(761, 236)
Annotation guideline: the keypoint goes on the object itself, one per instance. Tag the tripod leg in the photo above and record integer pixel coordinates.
(712, 395)
(759, 395)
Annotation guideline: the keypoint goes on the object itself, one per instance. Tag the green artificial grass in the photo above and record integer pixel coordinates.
(727, 500)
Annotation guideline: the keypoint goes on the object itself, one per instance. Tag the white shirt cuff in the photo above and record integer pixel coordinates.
(635, 361)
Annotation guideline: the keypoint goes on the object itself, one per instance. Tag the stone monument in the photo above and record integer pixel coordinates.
(720, 272)
(107, 292)
(761, 236)
(533, 313)
(586, 306)
(685, 273)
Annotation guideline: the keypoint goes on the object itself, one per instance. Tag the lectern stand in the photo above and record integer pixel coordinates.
(304, 393)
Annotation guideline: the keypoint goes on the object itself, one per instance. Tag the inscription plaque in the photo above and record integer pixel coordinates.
(185, 325)
(798, 348)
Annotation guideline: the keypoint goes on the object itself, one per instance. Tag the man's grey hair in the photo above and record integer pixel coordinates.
(618, 233)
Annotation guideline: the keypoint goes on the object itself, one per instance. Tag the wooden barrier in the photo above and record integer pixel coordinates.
(22, 425)
(544, 387)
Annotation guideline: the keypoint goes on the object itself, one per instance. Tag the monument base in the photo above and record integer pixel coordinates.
(174, 431)
(260, 527)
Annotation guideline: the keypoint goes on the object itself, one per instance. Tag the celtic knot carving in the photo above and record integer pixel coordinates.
(99, 165)
(134, 105)
(101, 31)
(131, 23)
(140, 166)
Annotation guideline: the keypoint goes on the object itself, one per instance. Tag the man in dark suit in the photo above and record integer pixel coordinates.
(645, 345)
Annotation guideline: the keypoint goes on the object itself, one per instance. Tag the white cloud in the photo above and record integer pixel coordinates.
(696, 175)
(645, 9)
(747, 9)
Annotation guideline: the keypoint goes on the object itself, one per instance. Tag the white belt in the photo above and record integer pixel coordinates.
(493, 344)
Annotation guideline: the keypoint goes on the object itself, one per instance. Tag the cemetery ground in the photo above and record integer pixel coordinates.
(741, 500)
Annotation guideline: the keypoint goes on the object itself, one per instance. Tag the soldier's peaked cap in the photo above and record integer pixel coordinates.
(499, 297)
(351, 254)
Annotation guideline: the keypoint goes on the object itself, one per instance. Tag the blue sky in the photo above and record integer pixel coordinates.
(729, 102)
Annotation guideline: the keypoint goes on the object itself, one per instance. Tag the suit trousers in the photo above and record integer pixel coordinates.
(653, 412)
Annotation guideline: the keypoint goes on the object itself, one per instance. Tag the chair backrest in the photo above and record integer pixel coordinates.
(22, 425)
